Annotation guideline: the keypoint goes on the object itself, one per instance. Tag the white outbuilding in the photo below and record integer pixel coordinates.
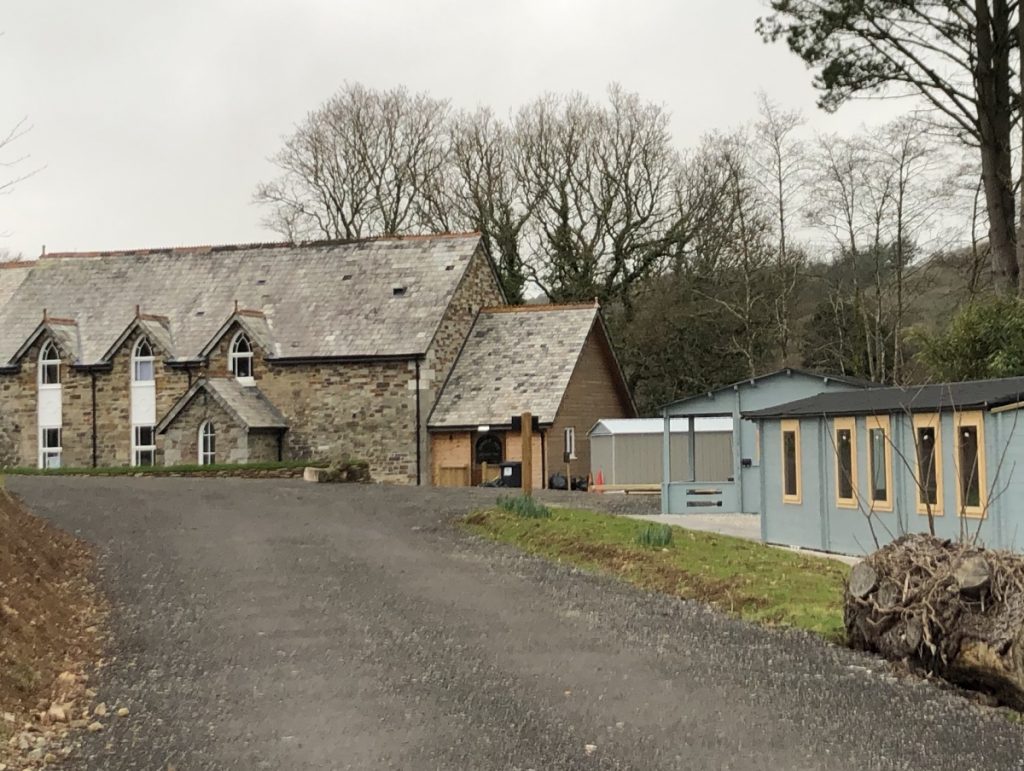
(629, 451)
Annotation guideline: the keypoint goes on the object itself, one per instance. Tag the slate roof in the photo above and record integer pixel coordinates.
(849, 380)
(974, 394)
(328, 299)
(515, 359)
(247, 403)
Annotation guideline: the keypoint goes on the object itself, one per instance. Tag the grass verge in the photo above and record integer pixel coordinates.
(749, 580)
(185, 468)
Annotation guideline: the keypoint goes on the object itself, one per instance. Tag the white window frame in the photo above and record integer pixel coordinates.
(49, 357)
(138, 448)
(140, 360)
(569, 439)
(207, 453)
(50, 456)
(235, 357)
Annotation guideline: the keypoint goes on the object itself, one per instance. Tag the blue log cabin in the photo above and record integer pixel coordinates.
(842, 471)
(740, 489)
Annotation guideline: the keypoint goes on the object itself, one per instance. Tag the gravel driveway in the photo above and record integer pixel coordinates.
(276, 625)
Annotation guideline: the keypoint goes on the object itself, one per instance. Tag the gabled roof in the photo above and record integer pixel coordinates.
(253, 323)
(358, 299)
(973, 394)
(246, 403)
(784, 372)
(515, 359)
(154, 328)
(63, 332)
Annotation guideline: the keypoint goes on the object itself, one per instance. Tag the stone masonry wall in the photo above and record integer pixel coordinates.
(262, 446)
(478, 289)
(113, 402)
(181, 440)
(361, 410)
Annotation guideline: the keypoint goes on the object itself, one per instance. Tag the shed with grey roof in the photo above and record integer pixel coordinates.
(847, 472)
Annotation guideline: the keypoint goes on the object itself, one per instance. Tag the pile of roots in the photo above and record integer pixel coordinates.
(955, 609)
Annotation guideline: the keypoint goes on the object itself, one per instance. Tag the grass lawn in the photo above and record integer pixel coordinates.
(755, 582)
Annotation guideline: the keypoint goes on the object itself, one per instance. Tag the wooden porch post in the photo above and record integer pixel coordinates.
(526, 434)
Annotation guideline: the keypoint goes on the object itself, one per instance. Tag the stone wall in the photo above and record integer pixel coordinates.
(478, 289)
(263, 446)
(181, 440)
(362, 410)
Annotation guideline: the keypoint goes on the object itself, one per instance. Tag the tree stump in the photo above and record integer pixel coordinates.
(954, 609)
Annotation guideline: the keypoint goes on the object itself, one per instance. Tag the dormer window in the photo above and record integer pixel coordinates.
(240, 357)
(49, 365)
(142, 362)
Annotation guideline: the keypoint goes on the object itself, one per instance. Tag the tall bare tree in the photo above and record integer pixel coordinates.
(602, 181)
(957, 56)
(781, 160)
(489, 193)
(359, 165)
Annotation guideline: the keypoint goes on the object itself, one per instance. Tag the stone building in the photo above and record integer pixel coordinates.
(236, 353)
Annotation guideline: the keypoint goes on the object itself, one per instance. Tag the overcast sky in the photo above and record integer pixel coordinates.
(154, 121)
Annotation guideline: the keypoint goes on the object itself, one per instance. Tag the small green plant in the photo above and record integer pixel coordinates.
(523, 506)
(654, 536)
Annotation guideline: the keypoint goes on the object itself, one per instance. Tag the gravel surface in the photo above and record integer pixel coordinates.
(271, 624)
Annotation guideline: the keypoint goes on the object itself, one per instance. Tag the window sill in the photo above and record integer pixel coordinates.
(246, 381)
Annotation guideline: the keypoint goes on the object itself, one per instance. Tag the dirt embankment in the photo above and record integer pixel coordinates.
(50, 635)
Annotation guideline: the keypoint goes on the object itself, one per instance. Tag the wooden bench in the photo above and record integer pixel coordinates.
(628, 489)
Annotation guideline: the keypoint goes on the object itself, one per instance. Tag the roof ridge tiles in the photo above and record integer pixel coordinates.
(539, 308)
(238, 247)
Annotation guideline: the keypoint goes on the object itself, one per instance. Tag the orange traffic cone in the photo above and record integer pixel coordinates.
(599, 482)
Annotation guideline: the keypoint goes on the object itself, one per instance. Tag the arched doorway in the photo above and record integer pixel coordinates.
(488, 449)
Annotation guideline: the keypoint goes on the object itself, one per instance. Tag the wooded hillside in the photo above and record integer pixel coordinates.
(766, 245)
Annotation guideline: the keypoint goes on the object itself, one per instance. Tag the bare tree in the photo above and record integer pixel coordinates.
(957, 56)
(602, 182)
(360, 164)
(741, 277)
(781, 159)
(489, 194)
(13, 166)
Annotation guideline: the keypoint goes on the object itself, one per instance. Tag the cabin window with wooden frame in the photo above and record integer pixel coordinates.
(791, 482)
(845, 437)
(880, 462)
(970, 464)
(928, 466)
